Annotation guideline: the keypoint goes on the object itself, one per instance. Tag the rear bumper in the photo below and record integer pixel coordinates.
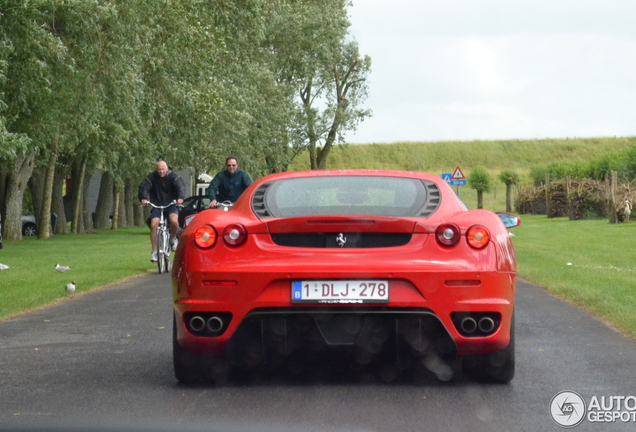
(257, 312)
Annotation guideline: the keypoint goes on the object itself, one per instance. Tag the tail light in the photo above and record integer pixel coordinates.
(448, 234)
(205, 237)
(477, 236)
(234, 234)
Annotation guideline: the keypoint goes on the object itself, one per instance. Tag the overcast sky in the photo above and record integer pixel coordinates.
(497, 69)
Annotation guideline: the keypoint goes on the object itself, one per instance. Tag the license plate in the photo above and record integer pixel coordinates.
(340, 291)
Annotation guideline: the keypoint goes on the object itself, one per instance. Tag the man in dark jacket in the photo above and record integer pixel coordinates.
(228, 184)
(161, 187)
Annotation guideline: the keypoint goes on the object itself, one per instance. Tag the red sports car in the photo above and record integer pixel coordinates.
(370, 266)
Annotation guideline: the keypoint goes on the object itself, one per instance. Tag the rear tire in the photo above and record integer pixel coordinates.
(497, 367)
(194, 368)
(186, 364)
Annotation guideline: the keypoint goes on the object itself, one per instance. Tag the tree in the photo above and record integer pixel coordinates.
(118, 85)
(510, 178)
(480, 180)
(342, 84)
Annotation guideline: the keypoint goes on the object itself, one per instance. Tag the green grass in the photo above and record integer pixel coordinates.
(590, 263)
(96, 260)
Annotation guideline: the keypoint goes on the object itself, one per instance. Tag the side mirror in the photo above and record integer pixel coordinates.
(509, 220)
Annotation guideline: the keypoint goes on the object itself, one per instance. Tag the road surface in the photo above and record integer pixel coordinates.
(103, 361)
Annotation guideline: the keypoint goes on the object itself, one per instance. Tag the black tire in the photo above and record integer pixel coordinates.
(166, 262)
(29, 229)
(187, 365)
(195, 368)
(162, 259)
(497, 367)
(161, 262)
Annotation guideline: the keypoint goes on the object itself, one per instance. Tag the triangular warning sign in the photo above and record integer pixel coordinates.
(458, 174)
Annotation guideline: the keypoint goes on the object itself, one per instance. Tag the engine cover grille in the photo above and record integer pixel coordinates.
(341, 240)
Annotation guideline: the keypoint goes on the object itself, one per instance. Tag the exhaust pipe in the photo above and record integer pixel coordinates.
(215, 324)
(486, 325)
(197, 323)
(468, 325)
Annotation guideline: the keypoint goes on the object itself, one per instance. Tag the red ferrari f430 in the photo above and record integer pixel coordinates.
(377, 266)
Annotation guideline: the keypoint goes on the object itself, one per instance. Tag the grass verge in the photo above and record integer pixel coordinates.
(98, 259)
(589, 263)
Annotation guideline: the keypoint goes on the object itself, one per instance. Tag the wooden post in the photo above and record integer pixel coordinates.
(568, 201)
(612, 198)
(547, 194)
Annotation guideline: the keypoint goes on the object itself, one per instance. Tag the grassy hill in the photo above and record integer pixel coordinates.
(494, 156)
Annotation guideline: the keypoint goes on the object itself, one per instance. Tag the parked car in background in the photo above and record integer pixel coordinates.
(29, 227)
(193, 205)
(385, 268)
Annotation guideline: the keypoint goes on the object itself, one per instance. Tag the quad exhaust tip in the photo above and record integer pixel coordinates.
(482, 326)
(213, 324)
(468, 325)
(486, 324)
(197, 323)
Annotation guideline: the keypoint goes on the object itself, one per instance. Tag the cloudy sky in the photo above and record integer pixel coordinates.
(497, 69)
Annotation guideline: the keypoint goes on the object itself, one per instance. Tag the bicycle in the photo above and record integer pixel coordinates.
(163, 240)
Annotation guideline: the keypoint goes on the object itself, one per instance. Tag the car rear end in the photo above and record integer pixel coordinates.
(406, 286)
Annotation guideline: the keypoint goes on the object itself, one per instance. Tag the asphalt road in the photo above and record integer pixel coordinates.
(103, 361)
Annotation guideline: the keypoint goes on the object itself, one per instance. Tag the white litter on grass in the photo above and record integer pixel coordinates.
(569, 264)
(4, 266)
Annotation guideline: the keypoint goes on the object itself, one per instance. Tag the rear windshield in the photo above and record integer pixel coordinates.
(341, 195)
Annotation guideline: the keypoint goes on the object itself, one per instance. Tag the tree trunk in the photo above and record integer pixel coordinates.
(509, 197)
(77, 222)
(87, 217)
(4, 176)
(131, 200)
(57, 201)
(121, 223)
(22, 170)
(480, 199)
(36, 188)
(44, 214)
(116, 201)
(104, 202)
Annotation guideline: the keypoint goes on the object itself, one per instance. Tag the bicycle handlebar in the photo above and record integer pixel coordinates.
(174, 202)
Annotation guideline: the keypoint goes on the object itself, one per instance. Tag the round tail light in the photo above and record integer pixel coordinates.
(205, 237)
(477, 236)
(234, 235)
(448, 234)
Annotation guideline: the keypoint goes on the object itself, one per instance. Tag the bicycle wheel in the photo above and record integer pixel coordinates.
(166, 261)
(162, 245)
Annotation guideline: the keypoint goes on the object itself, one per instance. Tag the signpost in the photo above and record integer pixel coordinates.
(457, 178)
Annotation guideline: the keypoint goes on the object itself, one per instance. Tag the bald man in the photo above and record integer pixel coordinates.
(161, 187)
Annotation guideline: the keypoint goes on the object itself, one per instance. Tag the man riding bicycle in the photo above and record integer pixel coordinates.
(228, 184)
(161, 187)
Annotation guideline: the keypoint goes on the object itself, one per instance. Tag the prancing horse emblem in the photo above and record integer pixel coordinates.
(341, 240)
